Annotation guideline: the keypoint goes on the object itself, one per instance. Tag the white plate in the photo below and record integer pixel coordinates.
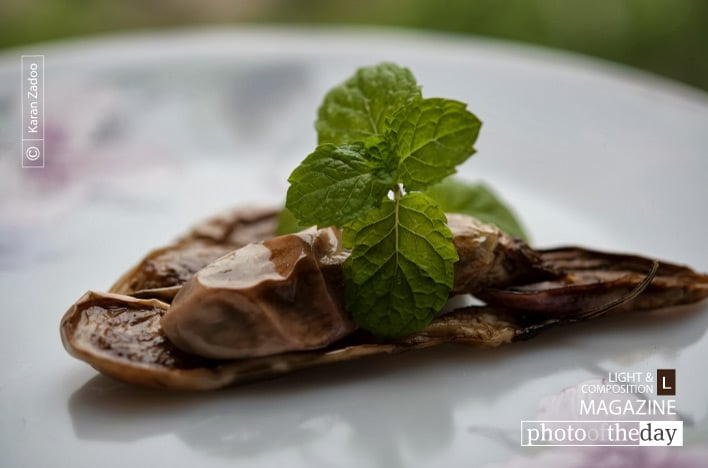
(147, 134)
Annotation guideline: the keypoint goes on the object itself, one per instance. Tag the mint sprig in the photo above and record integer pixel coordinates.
(381, 144)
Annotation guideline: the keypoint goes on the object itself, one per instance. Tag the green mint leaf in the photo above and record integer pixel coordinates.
(478, 200)
(287, 223)
(431, 137)
(336, 184)
(359, 107)
(400, 270)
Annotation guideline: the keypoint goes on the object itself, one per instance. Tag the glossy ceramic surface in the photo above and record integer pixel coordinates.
(147, 134)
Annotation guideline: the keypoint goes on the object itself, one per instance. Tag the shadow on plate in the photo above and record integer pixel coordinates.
(380, 406)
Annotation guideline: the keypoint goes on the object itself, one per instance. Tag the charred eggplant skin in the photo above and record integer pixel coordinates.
(527, 292)
(121, 336)
(164, 270)
(286, 294)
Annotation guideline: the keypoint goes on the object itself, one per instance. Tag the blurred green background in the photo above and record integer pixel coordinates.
(668, 37)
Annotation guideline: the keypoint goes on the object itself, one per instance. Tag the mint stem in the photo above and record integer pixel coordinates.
(396, 200)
